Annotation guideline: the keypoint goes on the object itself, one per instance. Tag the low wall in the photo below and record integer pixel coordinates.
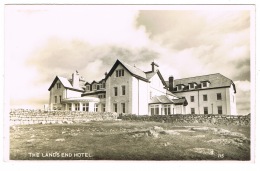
(192, 118)
(22, 117)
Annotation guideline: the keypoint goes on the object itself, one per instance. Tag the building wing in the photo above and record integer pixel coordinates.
(215, 81)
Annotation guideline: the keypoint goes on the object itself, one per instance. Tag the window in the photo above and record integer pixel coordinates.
(120, 73)
(172, 110)
(95, 107)
(206, 110)
(104, 85)
(58, 85)
(115, 107)
(191, 98)
(219, 109)
(101, 96)
(55, 98)
(94, 86)
(123, 107)
(123, 90)
(104, 107)
(69, 106)
(60, 99)
(115, 91)
(98, 87)
(167, 109)
(179, 87)
(77, 106)
(87, 87)
(219, 96)
(191, 85)
(85, 107)
(205, 97)
(192, 110)
(154, 109)
(204, 84)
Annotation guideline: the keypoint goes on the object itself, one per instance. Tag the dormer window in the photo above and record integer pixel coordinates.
(180, 87)
(192, 85)
(120, 73)
(94, 86)
(87, 87)
(205, 84)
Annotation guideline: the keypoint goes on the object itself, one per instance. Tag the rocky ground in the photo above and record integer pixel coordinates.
(125, 140)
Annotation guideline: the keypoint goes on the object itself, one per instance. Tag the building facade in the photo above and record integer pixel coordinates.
(127, 89)
(207, 94)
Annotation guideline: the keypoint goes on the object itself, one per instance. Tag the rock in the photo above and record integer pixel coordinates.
(167, 144)
(153, 133)
(200, 128)
(235, 141)
(60, 140)
(170, 132)
(183, 130)
(31, 140)
(157, 128)
(199, 136)
(205, 151)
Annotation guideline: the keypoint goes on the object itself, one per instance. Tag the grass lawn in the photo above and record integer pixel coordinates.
(128, 140)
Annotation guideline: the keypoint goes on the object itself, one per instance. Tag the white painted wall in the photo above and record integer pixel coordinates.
(212, 99)
(156, 87)
(71, 93)
(140, 98)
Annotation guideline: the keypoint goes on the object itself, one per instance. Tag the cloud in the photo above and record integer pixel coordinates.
(243, 96)
(218, 41)
(63, 57)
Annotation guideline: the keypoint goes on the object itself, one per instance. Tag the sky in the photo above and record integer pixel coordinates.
(42, 41)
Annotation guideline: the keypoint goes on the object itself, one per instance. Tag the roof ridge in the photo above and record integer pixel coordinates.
(199, 76)
(130, 65)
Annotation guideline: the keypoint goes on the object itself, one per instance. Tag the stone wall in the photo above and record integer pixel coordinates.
(22, 117)
(195, 118)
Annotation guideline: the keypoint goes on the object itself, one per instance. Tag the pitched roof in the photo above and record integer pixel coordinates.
(160, 99)
(136, 72)
(66, 84)
(180, 101)
(150, 74)
(163, 99)
(216, 81)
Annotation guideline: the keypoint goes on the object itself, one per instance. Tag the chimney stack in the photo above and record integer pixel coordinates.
(171, 85)
(154, 67)
(75, 79)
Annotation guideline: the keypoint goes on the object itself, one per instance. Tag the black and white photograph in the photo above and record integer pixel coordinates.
(129, 82)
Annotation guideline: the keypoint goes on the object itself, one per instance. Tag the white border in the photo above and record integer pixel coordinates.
(136, 165)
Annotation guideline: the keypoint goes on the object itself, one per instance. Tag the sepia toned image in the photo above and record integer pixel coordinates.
(129, 82)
